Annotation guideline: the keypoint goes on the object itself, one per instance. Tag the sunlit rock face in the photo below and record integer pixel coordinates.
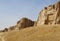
(49, 15)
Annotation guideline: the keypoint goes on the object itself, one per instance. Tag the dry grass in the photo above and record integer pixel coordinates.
(40, 33)
(0, 39)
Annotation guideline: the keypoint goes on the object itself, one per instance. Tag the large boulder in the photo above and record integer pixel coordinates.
(24, 22)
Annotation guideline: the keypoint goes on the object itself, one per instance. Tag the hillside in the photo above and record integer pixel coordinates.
(46, 28)
(40, 33)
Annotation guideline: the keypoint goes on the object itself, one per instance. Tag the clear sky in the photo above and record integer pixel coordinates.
(13, 10)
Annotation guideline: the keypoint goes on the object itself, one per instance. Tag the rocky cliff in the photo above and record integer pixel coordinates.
(49, 15)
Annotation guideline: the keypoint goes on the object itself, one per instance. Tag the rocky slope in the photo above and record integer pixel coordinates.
(36, 30)
(22, 23)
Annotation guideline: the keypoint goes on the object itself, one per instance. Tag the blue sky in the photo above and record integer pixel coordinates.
(13, 10)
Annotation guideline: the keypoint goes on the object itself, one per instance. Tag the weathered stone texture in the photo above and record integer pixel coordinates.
(24, 22)
(49, 15)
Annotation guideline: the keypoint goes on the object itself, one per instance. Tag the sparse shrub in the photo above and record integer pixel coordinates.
(5, 30)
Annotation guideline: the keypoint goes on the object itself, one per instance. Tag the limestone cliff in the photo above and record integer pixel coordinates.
(49, 15)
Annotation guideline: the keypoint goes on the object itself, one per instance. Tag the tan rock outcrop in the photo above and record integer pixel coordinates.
(49, 15)
(24, 22)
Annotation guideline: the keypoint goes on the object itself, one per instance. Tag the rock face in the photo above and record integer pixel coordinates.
(49, 15)
(24, 22)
